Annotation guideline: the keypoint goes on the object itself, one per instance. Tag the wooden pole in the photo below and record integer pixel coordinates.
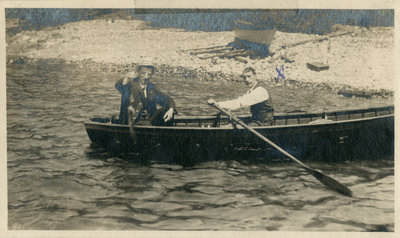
(317, 39)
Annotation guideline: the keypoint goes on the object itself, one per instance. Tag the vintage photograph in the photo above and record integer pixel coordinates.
(200, 119)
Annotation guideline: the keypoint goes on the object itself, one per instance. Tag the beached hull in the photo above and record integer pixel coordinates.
(255, 42)
(257, 36)
(346, 137)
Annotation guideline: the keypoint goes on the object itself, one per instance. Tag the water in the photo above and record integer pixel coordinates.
(315, 21)
(57, 181)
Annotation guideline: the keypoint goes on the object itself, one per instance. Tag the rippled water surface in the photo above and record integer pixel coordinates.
(57, 181)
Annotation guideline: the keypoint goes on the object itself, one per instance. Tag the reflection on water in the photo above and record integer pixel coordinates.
(57, 181)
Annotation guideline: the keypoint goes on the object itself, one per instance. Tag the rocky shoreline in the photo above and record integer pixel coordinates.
(166, 71)
(361, 64)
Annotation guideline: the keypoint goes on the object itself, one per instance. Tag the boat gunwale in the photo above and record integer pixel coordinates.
(92, 123)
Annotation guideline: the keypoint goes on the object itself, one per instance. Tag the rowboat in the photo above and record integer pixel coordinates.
(325, 136)
(255, 41)
(257, 36)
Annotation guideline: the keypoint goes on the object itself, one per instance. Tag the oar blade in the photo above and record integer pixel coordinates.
(332, 183)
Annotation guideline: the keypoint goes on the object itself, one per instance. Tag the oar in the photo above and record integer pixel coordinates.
(130, 123)
(324, 179)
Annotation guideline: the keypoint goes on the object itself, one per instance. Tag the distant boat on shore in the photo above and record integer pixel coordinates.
(257, 36)
(252, 38)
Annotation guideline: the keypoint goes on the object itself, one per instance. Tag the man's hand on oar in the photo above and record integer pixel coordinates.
(211, 101)
(324, 179)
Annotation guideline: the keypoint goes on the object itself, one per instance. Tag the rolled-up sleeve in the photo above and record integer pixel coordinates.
(258, 95)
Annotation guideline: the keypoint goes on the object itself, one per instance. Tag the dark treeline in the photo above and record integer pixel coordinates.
(316, 21)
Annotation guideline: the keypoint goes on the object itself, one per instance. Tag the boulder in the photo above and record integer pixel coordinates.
(317, 66)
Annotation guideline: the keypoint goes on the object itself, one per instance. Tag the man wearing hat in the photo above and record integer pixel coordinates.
(142, 97)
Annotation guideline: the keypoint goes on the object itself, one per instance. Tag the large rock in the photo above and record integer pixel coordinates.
(317, 66)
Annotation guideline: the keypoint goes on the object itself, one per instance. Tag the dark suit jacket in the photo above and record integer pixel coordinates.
(147, 106)
(125, 90)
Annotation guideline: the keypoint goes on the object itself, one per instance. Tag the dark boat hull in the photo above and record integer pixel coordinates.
(339, 140)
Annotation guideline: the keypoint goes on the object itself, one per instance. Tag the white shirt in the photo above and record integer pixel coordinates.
(252, 97)
(144, 89)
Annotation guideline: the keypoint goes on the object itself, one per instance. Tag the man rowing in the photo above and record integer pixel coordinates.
(256, 97)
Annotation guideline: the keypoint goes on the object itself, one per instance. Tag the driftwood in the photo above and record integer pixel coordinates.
(231, 53)
(317, 39)
(241, 59)
(211, 51)
(287, 59)
(275, 57)
(236, 54)
(206, 48)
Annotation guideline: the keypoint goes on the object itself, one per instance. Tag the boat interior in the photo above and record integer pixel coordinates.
(295, 118)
